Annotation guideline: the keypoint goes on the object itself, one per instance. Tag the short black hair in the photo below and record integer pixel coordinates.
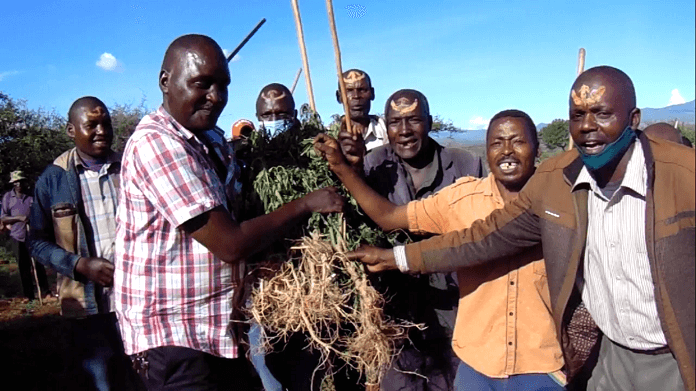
(512, 113)
(79, 103)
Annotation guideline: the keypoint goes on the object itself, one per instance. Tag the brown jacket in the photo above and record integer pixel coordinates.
(548, 212)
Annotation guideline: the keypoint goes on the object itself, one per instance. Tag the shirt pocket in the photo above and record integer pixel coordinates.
(64, 217)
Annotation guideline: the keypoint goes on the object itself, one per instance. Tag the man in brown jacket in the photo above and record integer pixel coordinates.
(615, 217)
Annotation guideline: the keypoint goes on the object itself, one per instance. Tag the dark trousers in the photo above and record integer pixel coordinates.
(174, 368)
(21, 253)
(94, 356)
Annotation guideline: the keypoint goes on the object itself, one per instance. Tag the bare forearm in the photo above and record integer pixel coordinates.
(382, 211)
(13, 219)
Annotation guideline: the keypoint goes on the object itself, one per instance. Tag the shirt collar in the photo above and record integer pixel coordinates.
(176, 126)
(434, 169)
(114, 157)
(635, 177)
(371, 128)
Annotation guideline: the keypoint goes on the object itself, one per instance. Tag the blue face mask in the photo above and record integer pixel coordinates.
(610, 152)
(278, 126)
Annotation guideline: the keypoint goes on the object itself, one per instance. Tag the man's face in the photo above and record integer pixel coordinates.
(359, 94)
(20, 186)
(510, 152)
(92, 131)
(407, 126)
(195, 89)
(598, 115)
(275, 105)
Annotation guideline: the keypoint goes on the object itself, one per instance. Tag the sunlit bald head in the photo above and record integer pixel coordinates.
(664, 131)
(593, 84)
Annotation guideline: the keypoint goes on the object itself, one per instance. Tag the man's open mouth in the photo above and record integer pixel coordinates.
(593, 147)
(508, 166)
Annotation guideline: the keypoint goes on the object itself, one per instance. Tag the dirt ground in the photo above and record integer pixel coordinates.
(30, 336)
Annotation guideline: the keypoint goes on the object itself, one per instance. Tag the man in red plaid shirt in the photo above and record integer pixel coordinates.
(179, 251)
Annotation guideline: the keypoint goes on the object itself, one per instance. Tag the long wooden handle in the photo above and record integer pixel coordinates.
(303, 52)
(339, 68)
(581, 69)
(245, 40)
(297, 78)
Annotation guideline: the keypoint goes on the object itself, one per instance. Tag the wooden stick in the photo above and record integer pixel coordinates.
(245, 40)
(36, 278)
(303, 51)
(676, 124)
(294, 83)
(581, 69)
(339, 68)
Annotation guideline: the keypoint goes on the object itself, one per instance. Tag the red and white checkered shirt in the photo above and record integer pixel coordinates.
(169, 289)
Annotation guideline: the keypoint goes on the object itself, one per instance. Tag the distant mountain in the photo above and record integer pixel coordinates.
(541, 126)
(683, 112)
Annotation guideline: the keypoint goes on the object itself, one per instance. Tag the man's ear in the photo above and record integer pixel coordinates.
(295, 114)
(635, 118)
(70, 130)
(338, 96)
(430, 123)
(164, 81)
(372, 93)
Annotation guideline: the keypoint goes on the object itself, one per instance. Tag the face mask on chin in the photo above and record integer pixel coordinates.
(611, 152)
(274, 128)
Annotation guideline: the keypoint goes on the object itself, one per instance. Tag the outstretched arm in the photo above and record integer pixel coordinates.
(232, 242)
(383, 212)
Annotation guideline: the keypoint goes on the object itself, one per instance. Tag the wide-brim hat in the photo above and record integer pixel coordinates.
(16, 176)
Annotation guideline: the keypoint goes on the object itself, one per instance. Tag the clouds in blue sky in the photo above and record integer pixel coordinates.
(108, 62)
(676, 98)
(8, 73)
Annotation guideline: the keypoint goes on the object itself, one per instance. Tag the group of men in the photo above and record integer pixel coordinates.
(578, 273)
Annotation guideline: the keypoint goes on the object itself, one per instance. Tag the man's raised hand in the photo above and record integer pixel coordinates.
(376, 259)
(352, 145)
(326, 200)
(328, 148)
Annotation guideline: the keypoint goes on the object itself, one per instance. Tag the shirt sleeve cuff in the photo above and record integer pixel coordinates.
(400, 258)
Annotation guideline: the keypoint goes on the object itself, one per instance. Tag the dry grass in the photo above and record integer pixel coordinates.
(323, 294)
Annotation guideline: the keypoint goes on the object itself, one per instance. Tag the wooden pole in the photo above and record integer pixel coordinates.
(581, 69)
(303, 52)
(245, 40)
(676, 124)
(294, 83)
(339, 68)
(36, 278)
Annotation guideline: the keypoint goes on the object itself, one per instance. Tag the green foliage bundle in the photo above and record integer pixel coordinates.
(556, 134)
(284, 168)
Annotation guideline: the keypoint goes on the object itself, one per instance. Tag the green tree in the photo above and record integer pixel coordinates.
(124, 119)
(555, 134)
(29, 139)
(687, 132)
(444, 125)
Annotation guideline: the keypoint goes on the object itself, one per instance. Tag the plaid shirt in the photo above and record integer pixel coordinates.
(100, 198)
(169, 289)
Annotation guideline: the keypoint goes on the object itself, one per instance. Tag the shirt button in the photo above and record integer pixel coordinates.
(510, 343)
(512, 282)
(510, 313)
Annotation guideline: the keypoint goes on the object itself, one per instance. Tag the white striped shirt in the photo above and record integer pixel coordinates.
(619, 290)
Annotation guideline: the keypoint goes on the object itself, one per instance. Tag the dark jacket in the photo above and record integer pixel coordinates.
(432, 299)
(547, 211)
(59, 232)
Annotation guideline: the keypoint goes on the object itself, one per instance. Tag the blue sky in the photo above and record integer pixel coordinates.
(471, 59)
